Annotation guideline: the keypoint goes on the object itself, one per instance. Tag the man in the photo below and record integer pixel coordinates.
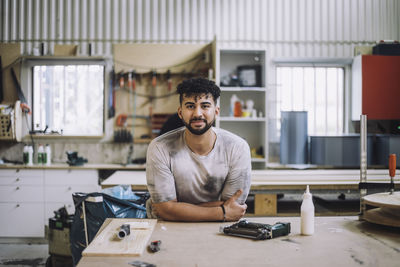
(198, 172)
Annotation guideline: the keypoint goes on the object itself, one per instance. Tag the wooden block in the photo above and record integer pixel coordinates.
(265, 204)
(107, 244)
(65, 50)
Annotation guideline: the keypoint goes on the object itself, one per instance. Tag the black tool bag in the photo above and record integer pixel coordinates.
(91, 210)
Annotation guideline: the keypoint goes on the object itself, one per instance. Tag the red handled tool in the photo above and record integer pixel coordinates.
(392, 170)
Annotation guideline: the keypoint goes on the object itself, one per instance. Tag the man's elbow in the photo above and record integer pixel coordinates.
(164, 210)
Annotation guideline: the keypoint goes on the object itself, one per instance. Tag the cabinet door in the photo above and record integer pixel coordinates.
(28, 193)
(21, 220)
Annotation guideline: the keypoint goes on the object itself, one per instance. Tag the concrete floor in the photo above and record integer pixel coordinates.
(23, 254)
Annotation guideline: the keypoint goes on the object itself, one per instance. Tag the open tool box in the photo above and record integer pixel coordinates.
(11, 122)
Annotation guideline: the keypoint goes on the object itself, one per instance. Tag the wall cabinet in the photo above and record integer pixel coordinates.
(375, 87)
(21, 203)
(28, 198)
(241, 74)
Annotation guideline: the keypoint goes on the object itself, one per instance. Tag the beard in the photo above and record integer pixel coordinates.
(201, 130)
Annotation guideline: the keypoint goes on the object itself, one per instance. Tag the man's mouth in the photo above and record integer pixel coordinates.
(198, 122)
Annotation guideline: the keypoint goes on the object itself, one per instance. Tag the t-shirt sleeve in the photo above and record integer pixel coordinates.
(160, 180)
(239, 175)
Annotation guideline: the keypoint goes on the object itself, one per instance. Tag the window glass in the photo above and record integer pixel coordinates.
(69, 99)
(317, 90)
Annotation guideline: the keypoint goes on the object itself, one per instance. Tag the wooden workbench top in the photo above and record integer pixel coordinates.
(98, 166)
(273, 179)
(337, 241)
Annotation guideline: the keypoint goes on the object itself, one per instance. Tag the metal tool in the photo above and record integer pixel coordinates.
(155, 246)
(124, 231)
(258, 231)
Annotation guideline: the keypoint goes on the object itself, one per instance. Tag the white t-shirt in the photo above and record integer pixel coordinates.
(173, 171)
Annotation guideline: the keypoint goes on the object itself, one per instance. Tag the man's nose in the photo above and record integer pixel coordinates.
(198, 111)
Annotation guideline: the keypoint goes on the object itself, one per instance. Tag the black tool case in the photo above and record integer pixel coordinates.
(387, 49)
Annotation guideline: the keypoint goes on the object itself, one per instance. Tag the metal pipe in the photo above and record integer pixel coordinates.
(363, 161)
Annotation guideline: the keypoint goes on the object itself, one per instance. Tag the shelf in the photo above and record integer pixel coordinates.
(257, 159)
(237, 119)
(242, 89)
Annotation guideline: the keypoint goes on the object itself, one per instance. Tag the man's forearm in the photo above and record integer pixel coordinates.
(211, 204)
(181, 211)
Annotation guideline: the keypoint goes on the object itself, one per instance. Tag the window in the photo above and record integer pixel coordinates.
(69, 98)
(317, 90)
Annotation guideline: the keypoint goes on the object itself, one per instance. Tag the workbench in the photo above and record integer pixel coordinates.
(337, 241)
(266, 184)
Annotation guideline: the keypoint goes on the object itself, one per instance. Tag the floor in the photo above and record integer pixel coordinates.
(19, 254)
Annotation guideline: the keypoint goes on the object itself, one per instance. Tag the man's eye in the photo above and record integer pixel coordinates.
(206, 106)
(190, 106)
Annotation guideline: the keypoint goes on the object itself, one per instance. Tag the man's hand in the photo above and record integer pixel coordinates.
(233, 210)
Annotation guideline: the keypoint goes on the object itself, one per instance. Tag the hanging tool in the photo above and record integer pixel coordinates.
(133, 81)
(121, 80)
(24, 105)
(111, 95)
(392, 171)
(154, 79)
(169, 80)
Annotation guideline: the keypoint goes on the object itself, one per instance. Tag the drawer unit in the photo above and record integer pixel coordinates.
(70, 177)
(21, 177)
(22, 193)
(22, 219)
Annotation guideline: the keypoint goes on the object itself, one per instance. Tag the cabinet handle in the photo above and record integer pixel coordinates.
(17, 188)
(17, 180)
(69, 188)
(17, 206)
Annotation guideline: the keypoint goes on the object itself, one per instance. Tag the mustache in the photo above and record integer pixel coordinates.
(197, 119)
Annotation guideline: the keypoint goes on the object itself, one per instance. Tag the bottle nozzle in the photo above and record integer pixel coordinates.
(308, 189)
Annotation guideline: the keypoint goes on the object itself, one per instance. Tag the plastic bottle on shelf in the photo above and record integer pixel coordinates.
(307, 214)
(25, 154)
(48, 155)
(234, 99)
(41, 155)
(30, 155)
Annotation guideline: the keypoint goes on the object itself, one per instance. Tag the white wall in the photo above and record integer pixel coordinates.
(287, 28)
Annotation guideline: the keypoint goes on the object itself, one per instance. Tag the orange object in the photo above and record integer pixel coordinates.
(392, 165)
(25, 108)
(154, 79)
(121, 120)
(237, 110)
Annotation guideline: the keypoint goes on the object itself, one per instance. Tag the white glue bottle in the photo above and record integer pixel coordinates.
(48, 154)
(307, 214)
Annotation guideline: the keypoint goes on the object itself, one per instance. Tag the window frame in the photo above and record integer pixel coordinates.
(344, 63)
(27, 82)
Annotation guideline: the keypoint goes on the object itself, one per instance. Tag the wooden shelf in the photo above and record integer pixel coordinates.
(237, 119)
(242, 89)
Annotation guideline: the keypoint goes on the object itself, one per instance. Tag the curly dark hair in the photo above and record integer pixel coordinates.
(198, 86)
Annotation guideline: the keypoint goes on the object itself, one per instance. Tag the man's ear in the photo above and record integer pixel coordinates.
(217, 111)
(180, 112)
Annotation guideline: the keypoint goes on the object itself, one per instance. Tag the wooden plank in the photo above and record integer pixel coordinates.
(65, 50)
(265, 204)
(383, 216)
(384, 200)
(106, 243)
